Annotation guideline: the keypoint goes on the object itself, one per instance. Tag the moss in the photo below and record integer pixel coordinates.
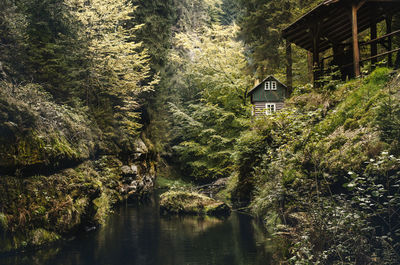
(41, 236)
(59, 202)
(102, 207)
(362, 96)
(169, 183)
(40, 140)
(350, 124)
(180, 202)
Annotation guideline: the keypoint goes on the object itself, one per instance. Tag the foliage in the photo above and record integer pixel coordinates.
(388, 118)
(35, 130)
(118, 66)
(194, 14)
(297, 165)
(173, 184)
(261, 24)
(205, 130)
(41, 209)
(155, 18)
(13, 40)
(72, 75)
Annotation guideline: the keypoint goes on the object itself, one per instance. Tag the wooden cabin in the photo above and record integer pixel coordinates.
(268, 96)
(334, 27)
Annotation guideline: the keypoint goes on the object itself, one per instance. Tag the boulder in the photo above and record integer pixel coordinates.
(180, 202)
(126, 170)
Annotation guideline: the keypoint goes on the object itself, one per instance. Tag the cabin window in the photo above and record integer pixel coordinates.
(270, 108)
(268, 85)
(273, 85)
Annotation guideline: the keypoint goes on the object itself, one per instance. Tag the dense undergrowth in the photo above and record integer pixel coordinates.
(72, 79)
(325, 172)
(35, 131)
(60, 173)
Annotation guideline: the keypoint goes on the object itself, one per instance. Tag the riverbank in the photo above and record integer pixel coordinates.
(60, 172)
(136, 234)
(324, 172)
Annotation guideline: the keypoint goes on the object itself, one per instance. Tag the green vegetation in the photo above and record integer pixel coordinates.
(181, 202)
(261, 24)
(71, 77)
(96, 96)
(328, 168)
(174, 184)
(207, 121)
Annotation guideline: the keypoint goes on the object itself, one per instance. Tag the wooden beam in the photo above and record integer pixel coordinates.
(335, 24)
(289, 67)
(310, 66)
(381, 54)
(316, 43)
(388, 31)
(360, 4)
(356, 48)
(344, 31)
(374, 36)
(380, 38)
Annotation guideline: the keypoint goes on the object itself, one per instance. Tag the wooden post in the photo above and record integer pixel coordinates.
(374, 45)
(310, 66)
(316, 42)
(289, 67)
(390, 46)
(356, 48)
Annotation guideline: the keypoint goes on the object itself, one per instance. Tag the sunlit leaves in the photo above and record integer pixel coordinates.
(118, 66)
(214, 62)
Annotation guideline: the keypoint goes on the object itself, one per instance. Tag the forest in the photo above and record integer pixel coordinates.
(104, 101)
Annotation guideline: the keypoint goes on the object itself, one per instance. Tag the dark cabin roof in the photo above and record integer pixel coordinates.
(268, 77)
(335, 21)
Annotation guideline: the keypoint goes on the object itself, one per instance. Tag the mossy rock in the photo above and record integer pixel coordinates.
(180, 202)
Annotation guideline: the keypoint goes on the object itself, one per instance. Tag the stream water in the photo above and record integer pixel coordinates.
(136, 234)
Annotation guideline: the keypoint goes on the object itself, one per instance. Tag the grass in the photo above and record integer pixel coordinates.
(359, 105)
(170, 183)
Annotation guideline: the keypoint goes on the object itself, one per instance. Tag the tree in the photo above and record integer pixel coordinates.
(261, 25)
(51, 47)
(13, 28)
(212, 111)
(118, 68)
(156, 18)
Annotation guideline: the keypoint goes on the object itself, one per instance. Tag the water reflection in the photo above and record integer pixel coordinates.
(137, 234)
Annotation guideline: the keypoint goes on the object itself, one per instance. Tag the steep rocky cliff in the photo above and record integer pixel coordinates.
(59, 172)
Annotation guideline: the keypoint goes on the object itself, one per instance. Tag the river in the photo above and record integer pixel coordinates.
(136, 234)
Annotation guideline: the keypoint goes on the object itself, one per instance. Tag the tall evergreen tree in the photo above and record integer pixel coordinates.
(50, 46)
(156, 18)
(261, 25)
(13, 36)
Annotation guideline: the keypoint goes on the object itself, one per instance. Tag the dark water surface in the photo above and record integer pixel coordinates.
(138, 235)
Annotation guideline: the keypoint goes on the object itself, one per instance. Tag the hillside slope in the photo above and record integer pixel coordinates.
(325, 172)
(59, 172)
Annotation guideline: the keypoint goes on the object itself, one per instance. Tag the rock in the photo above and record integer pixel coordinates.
(218, 209)
(126, 170)
(180, 202)
(141, 147)
(213, 188)
(129, 173)
(134, 169)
